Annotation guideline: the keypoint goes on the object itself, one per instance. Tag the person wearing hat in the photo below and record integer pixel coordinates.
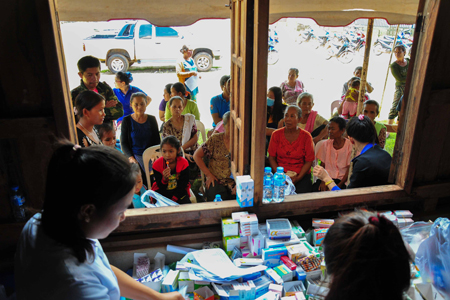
(187, 72)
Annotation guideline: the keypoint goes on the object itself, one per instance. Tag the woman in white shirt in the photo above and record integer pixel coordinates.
(58, 256)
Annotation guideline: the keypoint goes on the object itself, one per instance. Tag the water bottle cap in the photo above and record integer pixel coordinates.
(267, 169)
(15, 188)
(217, 196)
(280, 169)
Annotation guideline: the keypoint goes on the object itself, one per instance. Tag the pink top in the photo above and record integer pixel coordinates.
(336, 161)
(291, 94)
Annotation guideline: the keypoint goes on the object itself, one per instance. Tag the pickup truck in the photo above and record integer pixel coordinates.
(141, 41)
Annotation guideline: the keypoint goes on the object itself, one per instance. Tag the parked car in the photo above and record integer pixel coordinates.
(141, 41)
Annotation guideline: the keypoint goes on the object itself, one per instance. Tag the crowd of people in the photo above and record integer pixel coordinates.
(344, 152)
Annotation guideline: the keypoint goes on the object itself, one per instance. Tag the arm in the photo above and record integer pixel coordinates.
(369, 87)
(273, 163)
(216, 118)
(305, 169)
(156, 138)
(113, 109)
(130, 288)
(125, 138)
(214, 110)
(322, 174)
(281, 123)
(195, 112)
(162, 115)
(198, 157)
(340, 107)
(182, 183)
(191, 142)
(161, 182)
(269, 131)
(181, 73)
(382, 137)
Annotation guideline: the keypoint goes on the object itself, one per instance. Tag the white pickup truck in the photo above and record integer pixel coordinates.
(141, 41)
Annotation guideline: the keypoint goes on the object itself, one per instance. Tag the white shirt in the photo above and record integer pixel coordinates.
(45, 269)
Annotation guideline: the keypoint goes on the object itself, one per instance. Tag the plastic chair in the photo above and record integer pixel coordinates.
(154, 153)
(201, 128)
(335, 105)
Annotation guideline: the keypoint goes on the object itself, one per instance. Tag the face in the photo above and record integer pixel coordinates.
(97, 114)
(334, 131)
(139, 105)
(399, 53)
(228, 86)
(109, 139)
(270, 95)
(100, 226)
(169, 153)
(138, 186)
(370, 110)
(292, 76)
(119, 84)
(306, 105)
(176, 108)
(90, 77)
(291, 118)
(357, 73)
(166, 95)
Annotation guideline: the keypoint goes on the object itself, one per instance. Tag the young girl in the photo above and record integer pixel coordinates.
(107, 135)
(171, 172)
(350, 103)
(334, 154)
(371, 110)
(355, 248)
(59, 246)
(139, 188)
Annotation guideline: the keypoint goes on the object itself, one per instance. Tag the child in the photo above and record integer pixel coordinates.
(171, 172)
(371, 110)
(350, 104)
(107, 135)
(139, 188)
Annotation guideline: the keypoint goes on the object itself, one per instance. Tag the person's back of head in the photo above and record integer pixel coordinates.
(366, 258)
(76, 177)
(361, 129)
(87, 62)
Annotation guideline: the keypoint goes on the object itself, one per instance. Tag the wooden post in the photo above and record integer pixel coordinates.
(362, 89)
(259, 107)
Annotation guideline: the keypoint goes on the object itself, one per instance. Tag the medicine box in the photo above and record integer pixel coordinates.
(257, 243)
(403, 214)
(282, 242)
(244, 190)
(319, 236)
(273, 276)
(229, 242)
(297, 229)
(322, 223)
(244, 241)
(170, 282)
(184, 280)
(284, 272)
(293, 287)
(229, 227)
(272, 256)
(262, 285)
(236, 216)
(300, 250)
(249, 225)
(278, 229)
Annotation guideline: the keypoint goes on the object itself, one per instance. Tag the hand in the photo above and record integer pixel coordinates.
(233, 191)
(132, 160)
(323, 187)
(110, 103)
(210, 179)
(171, 296)
(166, 173)
(321, 173)
(189, 157)
(193, 73)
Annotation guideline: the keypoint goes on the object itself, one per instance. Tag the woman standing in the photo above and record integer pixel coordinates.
(139, 130)
(187, 72)
(190, 107)
(293, 149)
(124, 90)
(90, 108)
(399, 70)
(292, 87)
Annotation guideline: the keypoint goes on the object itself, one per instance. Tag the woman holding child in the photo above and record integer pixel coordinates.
(293, 149)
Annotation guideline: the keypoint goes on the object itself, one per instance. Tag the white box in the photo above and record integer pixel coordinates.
(257, 243)
(229, 227)
(170, 283)
(185, 280)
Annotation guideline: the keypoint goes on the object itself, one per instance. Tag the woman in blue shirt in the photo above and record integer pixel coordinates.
(124, 90)
(58, 254)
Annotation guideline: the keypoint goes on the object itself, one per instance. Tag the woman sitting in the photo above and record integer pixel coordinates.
(292, 87)
(311, 121)
(123, 92)
(164, 101)
(190, 107)
(90, 108)
(183, 127)
(334, 154)
(292, 148)
(139, 131)
(372, 165)
(275, 109)
(356, 247)
(218, 174)
(172, 172)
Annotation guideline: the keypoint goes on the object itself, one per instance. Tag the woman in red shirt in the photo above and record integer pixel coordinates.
(293, 149)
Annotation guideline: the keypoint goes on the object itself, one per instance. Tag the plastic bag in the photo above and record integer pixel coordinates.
(433, 257)
(160, 200)
(416, 233)
(290, 187)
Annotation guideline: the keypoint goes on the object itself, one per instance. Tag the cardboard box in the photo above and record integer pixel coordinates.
(319, 236)
(273, 276)
(229, 242)
(245, 190)
(229, 227)
(284, 272)
(272, 256)
(297, 229)
(249, 225)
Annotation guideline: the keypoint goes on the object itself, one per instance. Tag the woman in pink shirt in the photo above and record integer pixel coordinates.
(292, 87)
(334, 154)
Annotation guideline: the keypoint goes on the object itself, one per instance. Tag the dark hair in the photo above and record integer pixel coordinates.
(355, 248)
(138, 94)
(135, 168)
(359, 68)
(362, 130)
(184, 48)
(87, 100)
(97, 175)
(295, 70)
(104, 128)
(340, 121)
(175, 98)
(224, 79)
(278, 107)
(356, 83)
(180, 88)
(168, 87)
(172, 141)
(374, 103)
(125, 77)
(401, 46)
(87, 62)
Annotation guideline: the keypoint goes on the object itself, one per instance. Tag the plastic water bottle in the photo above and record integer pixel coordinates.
(267, 186)
(279, 185)
(17, 202)
(218, 198)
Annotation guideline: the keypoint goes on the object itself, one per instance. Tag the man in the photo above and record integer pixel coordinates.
(220, 104)
(89, 72)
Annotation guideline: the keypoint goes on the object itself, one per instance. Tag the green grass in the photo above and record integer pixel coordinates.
(390, 143)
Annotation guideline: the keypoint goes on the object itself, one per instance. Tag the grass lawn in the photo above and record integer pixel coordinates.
(390, 143)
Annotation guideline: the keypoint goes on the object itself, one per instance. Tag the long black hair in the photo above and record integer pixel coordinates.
(278, 107)
(125, 77)
(180, 88)
(87, 100)
(96, 175)
(362, 130)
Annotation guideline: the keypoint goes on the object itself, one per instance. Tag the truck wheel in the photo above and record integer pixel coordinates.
(204, 61)
(117, 63)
